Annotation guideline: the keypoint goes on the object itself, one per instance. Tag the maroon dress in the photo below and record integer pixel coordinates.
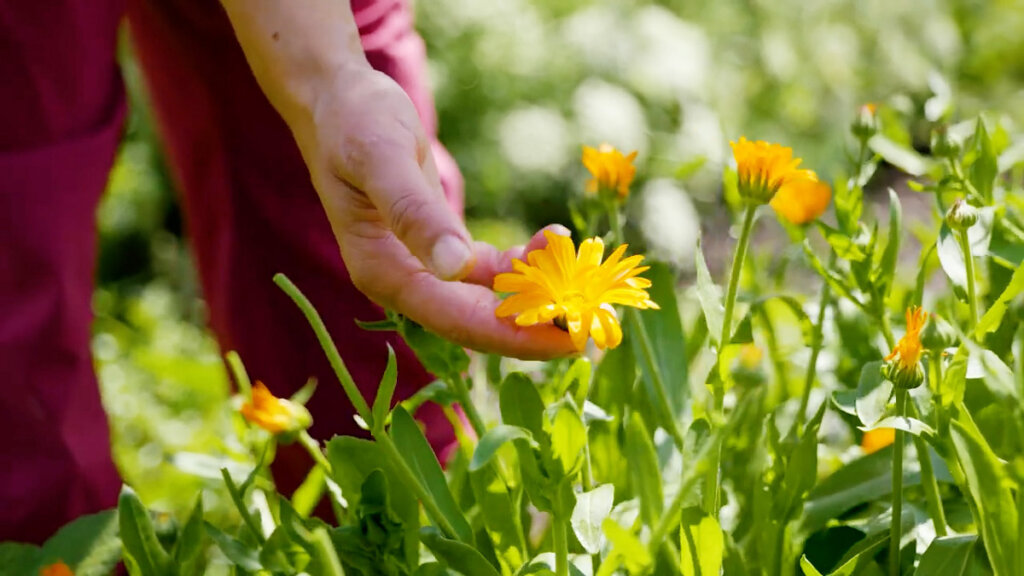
(250, 212)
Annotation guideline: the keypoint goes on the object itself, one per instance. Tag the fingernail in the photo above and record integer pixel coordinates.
(451, 258)
(560, 230)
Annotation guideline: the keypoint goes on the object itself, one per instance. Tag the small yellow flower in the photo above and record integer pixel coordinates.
(875, 440)
(802, 201)
(612, 171)
(750, 356)
(59, 568)
(273, 414)
(574, 290)
(764, 169)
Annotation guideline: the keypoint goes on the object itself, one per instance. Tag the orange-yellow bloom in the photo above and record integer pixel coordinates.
(612, 171)
(875, 440)
(58, 568)
(802, 201)
(765, 168)
(574, 290)
(273, 414)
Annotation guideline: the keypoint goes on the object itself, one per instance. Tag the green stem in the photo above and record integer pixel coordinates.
(972, 298)
(561, 542)
(816, 344)
(313, 447)
(895, 531)
(933, 500)
(324, 337)
(730, 298)
(362, 408)
(462, 392)
(883, 316)
(326, 553)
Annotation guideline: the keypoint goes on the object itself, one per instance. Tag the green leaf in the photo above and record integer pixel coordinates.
(844, 246)
(420, 457)
(241, 555)
(627, 550)
(954, 379)
(988, 485)
(440, 357)
(997, 376)
(948, 556)
(873, 393)
(701, 545)
(644, 471)
(494, 439)
(905, 423)
(568, 437)
(925, 267)
(18, 558)
(808, 568)
(386, 390)
(139, 537)
(994, 316)
(500, 507)
(985, 166)
(590, 512)
(883, 275)
(188, 549)
(89, 545)
(665, 331)
(710, 296)
(951, 257)
(904, 158)
(458, 556)
(310, 492)
(521, 405)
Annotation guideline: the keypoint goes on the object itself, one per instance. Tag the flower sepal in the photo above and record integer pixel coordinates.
(903, 377)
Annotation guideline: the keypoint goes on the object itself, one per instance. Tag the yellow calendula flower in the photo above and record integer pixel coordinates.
(273, 414)
(875, 440)
(765, 168)
(574, 290)
(58, 568)
(612, 171)
(904, 368)
(803, 200)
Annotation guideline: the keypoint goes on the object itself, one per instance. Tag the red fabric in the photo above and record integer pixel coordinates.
(250, 212)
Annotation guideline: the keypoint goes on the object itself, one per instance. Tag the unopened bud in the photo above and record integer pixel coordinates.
(942, 145)
(938, 334)
(904, 377)
(961, 215)
(866, 123)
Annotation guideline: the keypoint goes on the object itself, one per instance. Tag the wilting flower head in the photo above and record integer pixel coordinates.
(876, 439)
(764, 169)
(575, 291)
(58, 568)
(612, 172)
(275, 415)
(904, 368)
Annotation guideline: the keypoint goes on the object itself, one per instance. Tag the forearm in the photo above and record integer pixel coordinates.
(295, 47)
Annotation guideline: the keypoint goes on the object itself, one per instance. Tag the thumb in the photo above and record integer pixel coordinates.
(400, 180)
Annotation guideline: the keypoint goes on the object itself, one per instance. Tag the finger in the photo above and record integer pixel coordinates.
(489, 261)
(394, 167)
(461, 312)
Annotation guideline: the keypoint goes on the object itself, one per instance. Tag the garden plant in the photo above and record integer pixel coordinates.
(869, 423)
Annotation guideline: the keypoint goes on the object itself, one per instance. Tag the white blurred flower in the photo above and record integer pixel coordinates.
(596, 34)
(671, 57)
(669, 222)
(700, 136)
(609, 113)
(535, 139)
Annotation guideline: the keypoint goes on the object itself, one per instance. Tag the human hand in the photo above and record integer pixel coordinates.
(403, 245)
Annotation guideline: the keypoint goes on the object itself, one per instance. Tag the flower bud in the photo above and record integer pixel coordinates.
(747, 368)
(282, 418)
(866, 124)
(938, 334)
(904, 377)
(961, 215)
(942, 145)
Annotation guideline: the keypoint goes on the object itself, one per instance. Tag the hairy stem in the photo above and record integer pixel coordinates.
(895, 531)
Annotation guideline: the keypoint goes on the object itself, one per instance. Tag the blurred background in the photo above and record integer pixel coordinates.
(520, 86)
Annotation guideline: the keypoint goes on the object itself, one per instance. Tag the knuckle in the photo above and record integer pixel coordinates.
(404, 213)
